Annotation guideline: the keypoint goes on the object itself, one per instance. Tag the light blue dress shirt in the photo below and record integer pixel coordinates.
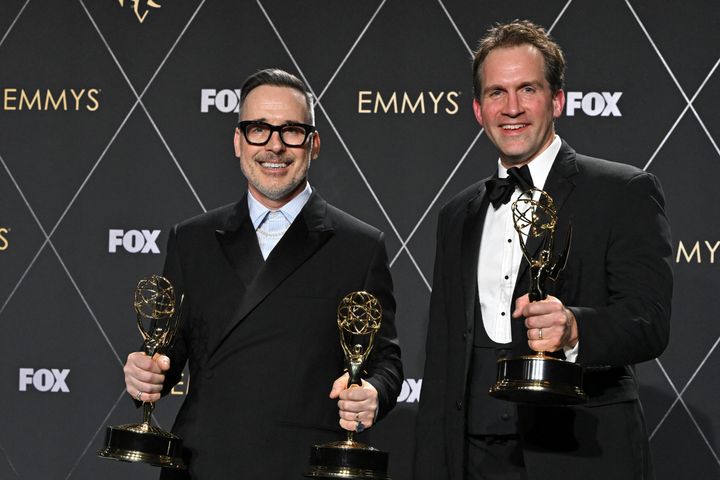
(271, 225)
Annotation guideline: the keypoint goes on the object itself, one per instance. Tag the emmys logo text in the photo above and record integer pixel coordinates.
(593, 104)
(225, 101)
(45, 100)
(4, 242)
(696, 252)
(133, 241)
(51, 380)
(410, 392)
(405, 103)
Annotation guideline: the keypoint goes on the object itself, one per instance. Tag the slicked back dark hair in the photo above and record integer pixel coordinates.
(276, 78)
(513, 34)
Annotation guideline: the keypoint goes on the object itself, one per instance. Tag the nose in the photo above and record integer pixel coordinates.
(512, 106)
(275, 143)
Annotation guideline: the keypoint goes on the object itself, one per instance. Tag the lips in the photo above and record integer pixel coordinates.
(516, 126)
(273, 162)
(274, 165)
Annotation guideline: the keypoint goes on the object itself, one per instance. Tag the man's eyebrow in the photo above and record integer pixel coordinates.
(534, 83)
(492, 87)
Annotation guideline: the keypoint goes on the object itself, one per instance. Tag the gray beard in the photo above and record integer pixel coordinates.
(277, 194)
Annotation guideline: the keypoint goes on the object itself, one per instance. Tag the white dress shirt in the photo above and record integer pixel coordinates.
(500, 253)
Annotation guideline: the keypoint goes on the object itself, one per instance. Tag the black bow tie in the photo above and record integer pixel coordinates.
(501, 189)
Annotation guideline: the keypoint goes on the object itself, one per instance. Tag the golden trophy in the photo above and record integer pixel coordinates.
(144, 442)
(359, 317)
(539, 378)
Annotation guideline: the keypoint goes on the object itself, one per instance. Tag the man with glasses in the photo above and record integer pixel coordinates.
(609, 309)
(262, 280)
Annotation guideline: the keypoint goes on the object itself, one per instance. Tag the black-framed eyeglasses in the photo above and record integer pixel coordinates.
(292, 134)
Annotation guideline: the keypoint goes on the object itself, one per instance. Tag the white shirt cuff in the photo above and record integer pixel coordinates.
(571, 353)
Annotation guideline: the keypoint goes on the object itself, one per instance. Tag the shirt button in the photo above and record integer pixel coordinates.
(506, 277)
(502, 313)
(509, 240)
(505, 416)
(458, 405)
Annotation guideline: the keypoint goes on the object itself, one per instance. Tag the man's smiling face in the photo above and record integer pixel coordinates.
(275, 172)
(517, 107)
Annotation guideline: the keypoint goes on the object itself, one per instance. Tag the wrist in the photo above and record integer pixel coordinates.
(571, 338)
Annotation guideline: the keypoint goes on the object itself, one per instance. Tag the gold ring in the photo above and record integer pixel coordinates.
(540, 335)
(138, 397)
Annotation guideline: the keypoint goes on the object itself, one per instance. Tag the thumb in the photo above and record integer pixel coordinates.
(520, 305)
(163, 362)
(339, 385)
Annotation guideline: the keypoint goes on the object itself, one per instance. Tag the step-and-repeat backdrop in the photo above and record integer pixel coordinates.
(116, 121)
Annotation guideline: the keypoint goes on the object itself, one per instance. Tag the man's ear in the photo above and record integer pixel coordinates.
(236, 142)
(315, 148)
(558, 103)
(478, 111)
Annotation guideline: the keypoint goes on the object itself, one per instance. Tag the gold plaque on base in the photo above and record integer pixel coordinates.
(143, 443)
(539, 379)
(347, 459)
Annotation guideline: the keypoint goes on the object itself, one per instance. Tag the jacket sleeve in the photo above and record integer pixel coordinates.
(430, 461)
(178, 351)
(384, 367)
(634, 326)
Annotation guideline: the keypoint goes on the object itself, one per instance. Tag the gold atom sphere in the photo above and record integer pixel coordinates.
(359, 313)
(154, 298)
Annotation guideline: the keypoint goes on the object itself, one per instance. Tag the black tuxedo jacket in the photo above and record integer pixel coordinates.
(617, 282)
(261, 337)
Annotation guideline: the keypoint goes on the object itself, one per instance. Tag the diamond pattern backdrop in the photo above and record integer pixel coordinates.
(117, 115)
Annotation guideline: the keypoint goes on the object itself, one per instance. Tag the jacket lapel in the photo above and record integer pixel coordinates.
(470, 250)
(238, 243)
(308, 232)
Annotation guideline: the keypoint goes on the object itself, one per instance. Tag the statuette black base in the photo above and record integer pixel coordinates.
(347, 459)
(539, 379)
(143, 443)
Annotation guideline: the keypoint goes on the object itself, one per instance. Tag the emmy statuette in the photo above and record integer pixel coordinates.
(144, 442)
(359, 318)
(539, 378)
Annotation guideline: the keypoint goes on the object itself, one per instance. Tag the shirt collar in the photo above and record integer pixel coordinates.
(539, 166)
(290, 210)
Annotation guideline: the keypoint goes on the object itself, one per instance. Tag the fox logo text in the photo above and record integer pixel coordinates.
(593, 104)
(225, 101)
(134, 241)
(410, 392)
(44, 380)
